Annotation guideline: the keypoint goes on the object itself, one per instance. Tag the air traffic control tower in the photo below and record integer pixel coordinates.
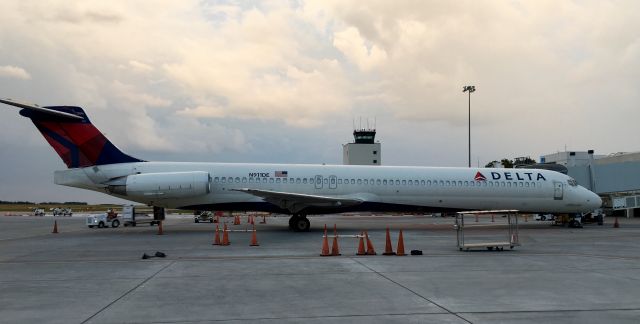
(364, 151)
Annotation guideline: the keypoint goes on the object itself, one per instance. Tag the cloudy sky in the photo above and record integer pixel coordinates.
(283, 81)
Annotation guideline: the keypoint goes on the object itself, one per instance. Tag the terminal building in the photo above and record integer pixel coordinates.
(364, 150)
(615, 177)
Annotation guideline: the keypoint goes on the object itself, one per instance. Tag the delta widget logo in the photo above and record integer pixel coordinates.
(480, 177)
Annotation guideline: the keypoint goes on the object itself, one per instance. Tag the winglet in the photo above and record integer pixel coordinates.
(37, 108)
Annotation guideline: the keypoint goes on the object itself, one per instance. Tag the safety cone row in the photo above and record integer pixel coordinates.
(216, 240)
(335, 249)
(370, 249)
(55, 227)
(388, 250)
(325, 243)
(225, 236)
(254, 238)
(361, 250)
(400, 249)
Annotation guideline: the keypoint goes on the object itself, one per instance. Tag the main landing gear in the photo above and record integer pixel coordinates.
(299, 223)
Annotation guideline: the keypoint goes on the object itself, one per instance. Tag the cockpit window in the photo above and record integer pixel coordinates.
(572, 182)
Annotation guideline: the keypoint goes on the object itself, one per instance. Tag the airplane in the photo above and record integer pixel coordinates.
(94, 163)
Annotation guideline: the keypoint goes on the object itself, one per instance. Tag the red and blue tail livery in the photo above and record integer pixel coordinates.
(69, 131)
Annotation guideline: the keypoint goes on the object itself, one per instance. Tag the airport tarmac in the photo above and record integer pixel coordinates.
(82, 275)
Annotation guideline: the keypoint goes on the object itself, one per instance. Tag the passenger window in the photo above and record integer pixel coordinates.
(384, 182)
(278, 180)
(366, 182)
(311, 181)
(391, 182)
(453, 183)
(359, 181)
(423, 183)
(216, 179)
(353, 181)
(271, 180)
(304, 180)
(326, 181)
(371, 182)
(472, 183)
(404, 182)
(521, 184)
(448, 183)
(397, 182)
(526, 184)
(244, 180)
(378, 182)
(339, 181)
(224, 179)
(298, 180)
(441, 183)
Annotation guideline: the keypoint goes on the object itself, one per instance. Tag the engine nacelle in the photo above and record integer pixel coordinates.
(165, 185)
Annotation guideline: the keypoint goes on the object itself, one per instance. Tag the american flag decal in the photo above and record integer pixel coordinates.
(282, 174)
(480, 177)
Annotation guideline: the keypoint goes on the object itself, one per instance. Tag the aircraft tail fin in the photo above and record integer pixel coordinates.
(71, 134)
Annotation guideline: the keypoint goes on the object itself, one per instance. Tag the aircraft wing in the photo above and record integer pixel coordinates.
(296, 202)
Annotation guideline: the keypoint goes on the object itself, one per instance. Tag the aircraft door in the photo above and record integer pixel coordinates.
(318, 182)
(333, 182)
(557, 191)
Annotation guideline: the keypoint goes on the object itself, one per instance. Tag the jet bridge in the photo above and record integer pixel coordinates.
(476, 235)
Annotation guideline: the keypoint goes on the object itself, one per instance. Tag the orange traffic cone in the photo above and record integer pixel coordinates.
(225, 236)
(236, 220)
(370, 249)
(251, 220)
(216, 241)
(400, 248)
(160, 228)
(325, 243)
(388, 250)
(615, 223)
(335, 249)
(254, 238)
(217, 220)
(361, 245)
(514, 238)
(55, 227)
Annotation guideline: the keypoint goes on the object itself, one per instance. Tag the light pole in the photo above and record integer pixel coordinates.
(469, 89)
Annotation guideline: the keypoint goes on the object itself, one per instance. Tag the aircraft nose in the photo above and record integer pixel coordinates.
(593, 201)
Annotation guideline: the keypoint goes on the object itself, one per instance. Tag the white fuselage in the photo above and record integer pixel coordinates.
(387, 188)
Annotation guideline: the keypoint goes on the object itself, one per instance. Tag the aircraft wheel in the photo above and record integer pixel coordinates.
(301, 224)
(291, 219)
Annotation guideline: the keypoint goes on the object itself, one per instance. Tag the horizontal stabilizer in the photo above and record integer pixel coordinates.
(37, 108)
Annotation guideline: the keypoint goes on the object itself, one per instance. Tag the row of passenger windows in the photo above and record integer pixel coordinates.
(378, 182)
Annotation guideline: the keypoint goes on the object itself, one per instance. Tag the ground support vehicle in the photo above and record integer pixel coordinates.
(204, 216)
(67, 212)
(570, 220)
(103, 220)
(467, 242)
(133, 218)
(38, 212)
